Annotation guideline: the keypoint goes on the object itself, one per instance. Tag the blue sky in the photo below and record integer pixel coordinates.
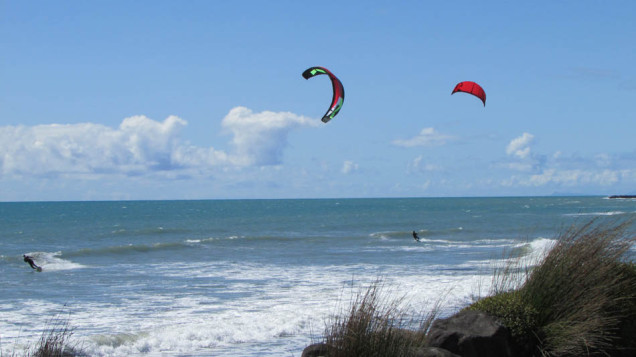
(105, 100)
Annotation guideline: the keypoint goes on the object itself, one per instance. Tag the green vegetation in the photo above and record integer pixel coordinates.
(513, 312)
(581, 299)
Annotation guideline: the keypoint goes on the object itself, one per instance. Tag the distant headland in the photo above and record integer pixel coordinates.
(623, 196)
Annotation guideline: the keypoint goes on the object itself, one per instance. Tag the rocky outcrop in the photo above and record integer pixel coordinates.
(315, 350)
(433, 352)
(320, 350)
(472, 333)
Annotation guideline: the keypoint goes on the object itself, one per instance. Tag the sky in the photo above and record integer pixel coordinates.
(149, 100)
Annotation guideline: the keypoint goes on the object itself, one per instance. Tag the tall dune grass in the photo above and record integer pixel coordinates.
(579, 301)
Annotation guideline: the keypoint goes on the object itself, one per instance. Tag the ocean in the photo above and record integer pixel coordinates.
(253, 277)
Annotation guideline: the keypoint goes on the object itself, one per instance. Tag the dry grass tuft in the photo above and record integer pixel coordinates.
(55, 341)
(376, 325)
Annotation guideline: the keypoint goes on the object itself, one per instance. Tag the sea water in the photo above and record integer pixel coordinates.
(253, 277)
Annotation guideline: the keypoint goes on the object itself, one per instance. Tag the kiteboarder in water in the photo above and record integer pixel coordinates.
(29, 260)
(415, 236)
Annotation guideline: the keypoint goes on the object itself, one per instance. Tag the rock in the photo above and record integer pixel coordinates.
(315, 350)
(472, 333)
(320, 350)
(433, 352)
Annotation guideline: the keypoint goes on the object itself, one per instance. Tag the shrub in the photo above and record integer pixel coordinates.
(513, 312)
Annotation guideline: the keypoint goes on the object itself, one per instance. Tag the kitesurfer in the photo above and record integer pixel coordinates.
(29, 260)
(415, 236)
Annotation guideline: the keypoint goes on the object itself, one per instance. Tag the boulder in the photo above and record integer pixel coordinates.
(320, 350)
(433, 352)
(471, 333)
(315, 350)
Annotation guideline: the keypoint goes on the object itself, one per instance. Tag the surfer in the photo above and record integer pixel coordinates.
(29, 260)
(415, 236)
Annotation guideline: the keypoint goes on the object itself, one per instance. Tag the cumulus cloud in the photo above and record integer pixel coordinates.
(142, 145)
(138, 144)
(426, 137)
(520, 147)
(259, 138)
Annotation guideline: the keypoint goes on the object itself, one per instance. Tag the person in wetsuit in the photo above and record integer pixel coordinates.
(29, 260)
(415, 236)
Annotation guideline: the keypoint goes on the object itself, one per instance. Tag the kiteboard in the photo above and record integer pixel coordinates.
(39, 269)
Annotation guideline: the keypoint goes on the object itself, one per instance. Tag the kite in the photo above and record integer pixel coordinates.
(472, 88)
(338, 91)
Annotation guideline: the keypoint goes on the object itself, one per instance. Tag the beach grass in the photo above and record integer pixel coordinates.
(55, 341)
(580, 300)
(376, 324)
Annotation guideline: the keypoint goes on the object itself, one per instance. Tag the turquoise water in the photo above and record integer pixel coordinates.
(252, 277)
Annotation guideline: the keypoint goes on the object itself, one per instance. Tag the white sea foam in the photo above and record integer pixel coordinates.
(382, 235)
(534, 250)
(542, 245)
(610, 213)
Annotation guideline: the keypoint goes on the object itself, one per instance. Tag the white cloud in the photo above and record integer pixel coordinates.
(141, 145)
(349, 167)
(520, 147)
(259, 138)
(426, 137)
(138, 144)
